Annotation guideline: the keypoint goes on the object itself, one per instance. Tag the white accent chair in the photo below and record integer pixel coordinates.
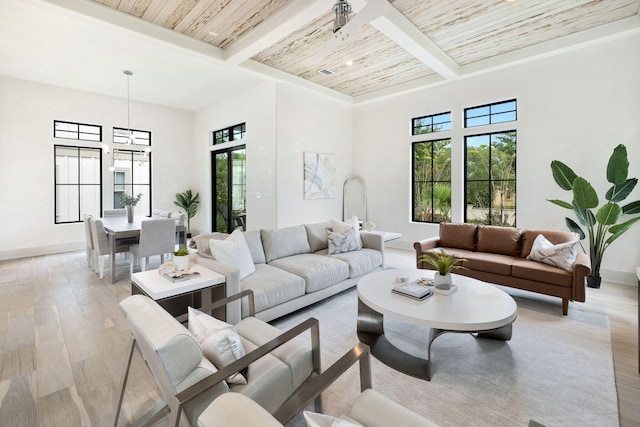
(277, 364)
(101, 245)
(157, 237)
(114, 212)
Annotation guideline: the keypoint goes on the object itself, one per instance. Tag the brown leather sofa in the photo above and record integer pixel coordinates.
(498, 255)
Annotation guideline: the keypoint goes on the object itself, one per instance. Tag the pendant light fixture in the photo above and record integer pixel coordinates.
(130, 138)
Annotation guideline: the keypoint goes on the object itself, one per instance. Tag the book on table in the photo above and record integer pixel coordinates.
(413, 290)
(181, 275)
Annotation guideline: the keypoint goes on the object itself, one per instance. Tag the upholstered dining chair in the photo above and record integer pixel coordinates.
(157, 237)
(89, 240)
(101, 245)
(114, 212)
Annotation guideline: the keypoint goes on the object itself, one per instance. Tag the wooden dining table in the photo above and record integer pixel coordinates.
(119, 228)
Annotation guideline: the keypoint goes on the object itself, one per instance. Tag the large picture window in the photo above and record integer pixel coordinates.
(490, 178)
(132, 175)
(78, 184)
(431, 186)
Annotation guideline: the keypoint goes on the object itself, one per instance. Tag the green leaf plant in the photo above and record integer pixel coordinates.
(442, 262)
(189, 203)
(602, 227)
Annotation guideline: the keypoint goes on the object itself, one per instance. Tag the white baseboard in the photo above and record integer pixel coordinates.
(41, 250)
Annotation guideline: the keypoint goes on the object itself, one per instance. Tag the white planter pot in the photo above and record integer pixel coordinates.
(181, 262)
(442, 281)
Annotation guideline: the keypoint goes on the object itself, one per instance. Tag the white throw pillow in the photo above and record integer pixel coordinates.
(339, 243)
(562, 255)
(234, 251)
(219, 341)
(343, 228)
(315, 419)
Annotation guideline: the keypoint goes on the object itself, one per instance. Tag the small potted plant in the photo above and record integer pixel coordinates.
(444, 264)
(129, 202)
(181, 259)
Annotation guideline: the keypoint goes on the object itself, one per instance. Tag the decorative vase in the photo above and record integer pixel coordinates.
(181, 262)
(129, 213)
(442, 281)
(594, 281)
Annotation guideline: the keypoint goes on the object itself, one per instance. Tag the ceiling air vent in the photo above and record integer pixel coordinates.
(326, 72)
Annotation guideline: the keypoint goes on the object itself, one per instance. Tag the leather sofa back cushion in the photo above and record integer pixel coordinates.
(282, 242)
(555, 237)
(499, 240)
(460, 236)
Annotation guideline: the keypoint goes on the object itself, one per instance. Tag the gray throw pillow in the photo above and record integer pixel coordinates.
(339, 243)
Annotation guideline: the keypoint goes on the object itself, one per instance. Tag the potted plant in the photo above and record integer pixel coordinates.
(129, 202)
(444, 265)
(181, 259)
(189, 203)
(603, 226)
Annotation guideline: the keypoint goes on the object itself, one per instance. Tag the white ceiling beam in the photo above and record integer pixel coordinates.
(287, 20)
(401, 30)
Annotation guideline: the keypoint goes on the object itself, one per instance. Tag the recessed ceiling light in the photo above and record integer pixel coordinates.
(349, 62)
(213, 34)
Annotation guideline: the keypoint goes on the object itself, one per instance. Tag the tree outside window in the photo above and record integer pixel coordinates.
(490, 179)
(431, 189)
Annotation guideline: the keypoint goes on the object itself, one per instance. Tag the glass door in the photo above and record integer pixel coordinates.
(229, 189)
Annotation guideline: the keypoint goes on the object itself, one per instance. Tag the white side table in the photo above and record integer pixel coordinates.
(386, 235)
(175, 297)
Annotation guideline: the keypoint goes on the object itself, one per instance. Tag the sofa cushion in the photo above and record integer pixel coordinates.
(254, 242)
(219, 341)
(555, 237)
(283, 242)
(271, 286)
(539, 272)
(489, 262)
(317, 235)
(201, 242)
(234, 252)
(360, 262)
(562, 255)
(499, 240)
(461, 236)
(270, 381)
(339, 243)
(318, 271)
(294, 354)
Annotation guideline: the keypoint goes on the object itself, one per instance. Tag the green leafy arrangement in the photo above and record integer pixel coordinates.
(189, 203)
(442, 262)
(181, 252)
(127, 200)
(602, 227)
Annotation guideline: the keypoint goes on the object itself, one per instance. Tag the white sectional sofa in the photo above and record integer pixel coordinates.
(293, 268)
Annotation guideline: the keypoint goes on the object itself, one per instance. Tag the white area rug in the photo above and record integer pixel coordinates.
(556, 370)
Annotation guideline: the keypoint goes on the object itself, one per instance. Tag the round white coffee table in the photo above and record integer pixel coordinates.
(476, 307)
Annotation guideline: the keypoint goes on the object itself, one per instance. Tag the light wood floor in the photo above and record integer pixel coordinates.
(63, 342)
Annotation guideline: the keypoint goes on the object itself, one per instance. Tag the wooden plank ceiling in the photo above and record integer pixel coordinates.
(462, 32)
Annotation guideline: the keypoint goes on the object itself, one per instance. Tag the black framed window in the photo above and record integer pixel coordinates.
(123, 136)
(232, 133)
(77, 131)
(77, 183)
(498, 112)
(430, 124)
(431, 181)
(490, 178)
(132, 175)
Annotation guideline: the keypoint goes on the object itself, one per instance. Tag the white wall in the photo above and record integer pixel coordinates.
(255, 107)
(27, 112)
(575, 107)
(307, 122)
(282, 122)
